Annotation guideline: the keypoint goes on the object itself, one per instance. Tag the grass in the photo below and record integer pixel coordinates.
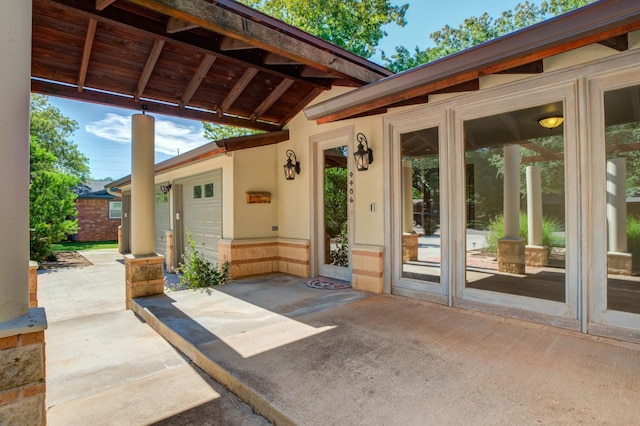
(89, 245)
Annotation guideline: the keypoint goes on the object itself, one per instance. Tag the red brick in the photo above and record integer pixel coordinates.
(8, 342)
(8, 396)
(32, 338)
(33, 389)
(94, 222)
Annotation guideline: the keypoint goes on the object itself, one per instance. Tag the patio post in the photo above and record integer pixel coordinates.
(409, 238)
(22, 357)
(536, 254)
(511, 248)
(143, 267)
(619, 261)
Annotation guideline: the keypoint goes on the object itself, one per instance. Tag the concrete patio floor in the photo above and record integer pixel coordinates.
(306, 356)
(335, 357)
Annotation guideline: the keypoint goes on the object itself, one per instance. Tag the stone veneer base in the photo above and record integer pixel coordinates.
(536, 256)
(619, 263)
(22, 369)
(144, 276)
(511, 255)
(367, 272)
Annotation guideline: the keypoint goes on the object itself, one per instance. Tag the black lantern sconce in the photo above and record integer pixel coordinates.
(363, 156)
(292, 168)
(165, 188)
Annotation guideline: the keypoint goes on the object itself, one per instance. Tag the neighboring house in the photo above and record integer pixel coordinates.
(99, 213)
(545, 118)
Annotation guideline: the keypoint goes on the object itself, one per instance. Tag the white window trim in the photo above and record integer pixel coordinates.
(111, 210)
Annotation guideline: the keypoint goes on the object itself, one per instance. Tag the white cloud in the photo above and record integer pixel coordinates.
(170, 136)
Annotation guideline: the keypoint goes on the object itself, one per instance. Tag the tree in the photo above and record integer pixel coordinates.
(56, 168)
(477, 30)
(216, 132)
(355, 25)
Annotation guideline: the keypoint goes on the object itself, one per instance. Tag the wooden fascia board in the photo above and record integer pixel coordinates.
(222, 21)
(253, 141)
(148, 67)
(195, 82)
(103, 98)
(590, 24)
(86, 53)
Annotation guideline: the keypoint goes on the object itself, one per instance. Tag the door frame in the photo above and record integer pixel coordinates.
(319, 142)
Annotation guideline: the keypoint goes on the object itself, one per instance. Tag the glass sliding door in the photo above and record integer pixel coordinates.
(515, 204)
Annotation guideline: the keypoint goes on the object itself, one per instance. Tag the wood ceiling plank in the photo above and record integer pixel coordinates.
(175, 25)
(103, 98)
(101, 4)
(238, 88)
(86, 53)
(148, 67)
(195, 82)
(272, 98)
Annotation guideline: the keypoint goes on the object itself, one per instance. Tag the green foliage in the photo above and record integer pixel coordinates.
(633, 240)
(52, 130)
(51, 202)
(335, 200)
(549, 228)
(197, 272)
(216, 132)
(355, 25)
(476, 30)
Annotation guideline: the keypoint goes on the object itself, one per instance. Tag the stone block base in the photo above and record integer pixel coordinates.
(367, 272)
(168, 256)
(409, 247)
(33, 284)
(619, 263)
(536, 256)
(256, 257)
(22, 370)
(511, 255)
(144, 276)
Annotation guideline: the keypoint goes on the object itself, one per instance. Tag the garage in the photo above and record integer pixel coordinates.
(202, 212)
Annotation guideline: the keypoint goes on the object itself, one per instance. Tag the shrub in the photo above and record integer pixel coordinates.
(549, 227)
(633, 240)
(197, 271)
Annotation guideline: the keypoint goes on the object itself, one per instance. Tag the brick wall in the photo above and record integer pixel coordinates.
(94, 222)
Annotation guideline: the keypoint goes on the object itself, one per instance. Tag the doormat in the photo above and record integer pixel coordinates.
(323, 283)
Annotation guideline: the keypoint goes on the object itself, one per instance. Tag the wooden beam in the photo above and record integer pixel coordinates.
(273, 59)
(86, 53)
(310, 72)
(239, 87)
(272, 98)
(619, 43)
(195, 82)
(218, 19)
(148, 67)
(535, 67)
(229, 43)
(303, 103)
(175, 25)
(103, 98)
(253, 141)
(101, 4)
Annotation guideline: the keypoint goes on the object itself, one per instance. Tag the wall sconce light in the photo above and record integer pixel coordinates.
(165, 188)
(551, 122)
(363, 156)
(292, 168)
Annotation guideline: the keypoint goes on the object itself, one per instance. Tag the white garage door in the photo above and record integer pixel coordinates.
(202, 213)
(162, 220)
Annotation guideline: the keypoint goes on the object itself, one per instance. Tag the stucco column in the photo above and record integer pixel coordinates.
(511, 248)
(22, 360)
(617, 204)
(15, 72)
(407, 196)
(534, 206)
(512, 191)
(142, 187)
(143, 267)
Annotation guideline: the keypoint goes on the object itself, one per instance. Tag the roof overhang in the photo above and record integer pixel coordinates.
(607, 22)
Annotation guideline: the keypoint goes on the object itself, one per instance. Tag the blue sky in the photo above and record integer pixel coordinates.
(104, 132)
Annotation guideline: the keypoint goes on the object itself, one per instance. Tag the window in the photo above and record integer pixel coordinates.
(197, 191)
(208, 190)
(115, 209)
(162, 197)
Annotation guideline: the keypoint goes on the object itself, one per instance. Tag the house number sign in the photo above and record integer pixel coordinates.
(351, 187)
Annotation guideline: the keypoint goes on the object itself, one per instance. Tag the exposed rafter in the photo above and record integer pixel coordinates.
(175, 25)
(619, 43)
(86, 53)
(101, 4)
(271, 99)
(239, 87)
(228, 44)
(148, 67)
(204, 68)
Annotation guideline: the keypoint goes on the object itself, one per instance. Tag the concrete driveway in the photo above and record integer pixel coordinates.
(105, 366)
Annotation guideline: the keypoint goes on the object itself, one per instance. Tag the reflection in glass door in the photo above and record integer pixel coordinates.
(334, 232)
(420, 205)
